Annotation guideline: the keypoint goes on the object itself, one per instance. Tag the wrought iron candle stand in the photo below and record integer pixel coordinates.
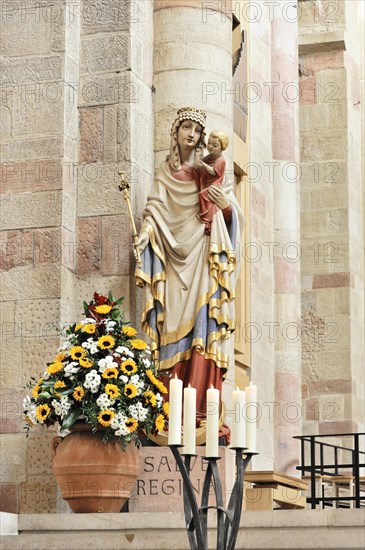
(228, 519)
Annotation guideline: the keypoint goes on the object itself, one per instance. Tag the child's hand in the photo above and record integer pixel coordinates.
(198, 163)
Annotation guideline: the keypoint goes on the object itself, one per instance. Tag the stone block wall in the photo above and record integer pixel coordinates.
(77, 105)
(332, 213)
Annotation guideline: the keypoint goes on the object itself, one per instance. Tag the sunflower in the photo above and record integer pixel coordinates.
(36, 391)
(156, 382)
(131, 424)
(86, 363)
(129, 367)
(130, 391)
(110, 372)
(106, 342)
(112, 390)
(42, 412)
(54, 367)
(78, 327)
(160, 422)
(129, 331)
(105, 417)
(103, 309)
(138, 344)
(150, 398)
(77, 352)
(79, 393)
(90, 328)
(166, 408)
(60, 356)
(59, 384)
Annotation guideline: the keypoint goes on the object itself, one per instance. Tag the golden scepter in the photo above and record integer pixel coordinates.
(125, 186)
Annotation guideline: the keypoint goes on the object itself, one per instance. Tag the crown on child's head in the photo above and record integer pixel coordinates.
(190, 113)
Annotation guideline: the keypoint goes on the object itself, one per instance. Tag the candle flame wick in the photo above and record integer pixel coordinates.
(237, 387)
(212, 387)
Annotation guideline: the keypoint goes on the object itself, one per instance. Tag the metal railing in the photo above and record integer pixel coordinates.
(328, 459)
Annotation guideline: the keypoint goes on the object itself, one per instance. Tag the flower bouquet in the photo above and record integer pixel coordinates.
(102, 374)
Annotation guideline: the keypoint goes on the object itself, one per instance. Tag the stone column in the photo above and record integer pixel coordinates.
(115, 109)
(331, 111)
(286, 247)
(188, 36)
(193, 67)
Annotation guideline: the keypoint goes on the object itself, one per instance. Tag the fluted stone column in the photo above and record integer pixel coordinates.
(286, 218)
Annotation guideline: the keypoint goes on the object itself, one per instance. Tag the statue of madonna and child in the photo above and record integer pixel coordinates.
(191, 227)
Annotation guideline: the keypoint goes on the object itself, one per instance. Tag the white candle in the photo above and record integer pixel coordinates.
(251, 417)
(189, 420)
(211, 450)
(175, 398)
(238, 438)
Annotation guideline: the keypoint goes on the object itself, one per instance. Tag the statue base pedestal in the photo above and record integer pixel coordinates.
(159, 487)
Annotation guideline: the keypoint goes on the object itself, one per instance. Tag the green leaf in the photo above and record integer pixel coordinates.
(65, 391)
(47, 383)
(44, 395)
(120, 301)
(110, 297)
(71, 419)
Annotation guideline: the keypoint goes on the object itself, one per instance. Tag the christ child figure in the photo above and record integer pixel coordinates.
(210, 172)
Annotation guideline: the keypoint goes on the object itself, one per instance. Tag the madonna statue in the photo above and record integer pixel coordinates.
(188, 275)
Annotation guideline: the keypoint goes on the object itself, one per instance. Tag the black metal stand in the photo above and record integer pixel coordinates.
(228, 520)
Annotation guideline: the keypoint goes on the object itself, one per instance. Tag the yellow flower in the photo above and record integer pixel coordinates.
(105, 417)
(166, 408)
(103, 309)
(159, 385)
(77, 352)
(106, 342)
(130, 391)
(129, 331)
(79, 393)
(54, 367)
(160, 422)
(42, 412)
(36, 391)
(110, 372)
(138, 344)
(90, 328)
(40, 381)
(60, 356)
(112, 390)
(150, 398)
(78, 327)
(86, 363)
(58, 384)
(129, 366)
(131, 424)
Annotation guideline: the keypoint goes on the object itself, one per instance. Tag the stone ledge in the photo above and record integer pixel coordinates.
(329, 529)
(318, 42)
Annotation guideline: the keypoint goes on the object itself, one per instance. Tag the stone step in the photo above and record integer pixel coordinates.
(278, 529)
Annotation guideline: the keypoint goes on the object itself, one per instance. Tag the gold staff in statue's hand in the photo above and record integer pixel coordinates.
(125, 186)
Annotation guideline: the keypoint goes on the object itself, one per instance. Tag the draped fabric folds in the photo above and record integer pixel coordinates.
(188, 276)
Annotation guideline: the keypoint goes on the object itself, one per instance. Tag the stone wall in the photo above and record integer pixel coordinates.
(332, 220)
(77, 106)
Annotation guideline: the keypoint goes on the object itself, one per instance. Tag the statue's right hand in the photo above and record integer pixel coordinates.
(141, 243)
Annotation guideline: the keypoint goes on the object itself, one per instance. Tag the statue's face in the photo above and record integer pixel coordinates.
(189, 134)
(214, 146)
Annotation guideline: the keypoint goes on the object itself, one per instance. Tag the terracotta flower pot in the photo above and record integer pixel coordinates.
(94, 476)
